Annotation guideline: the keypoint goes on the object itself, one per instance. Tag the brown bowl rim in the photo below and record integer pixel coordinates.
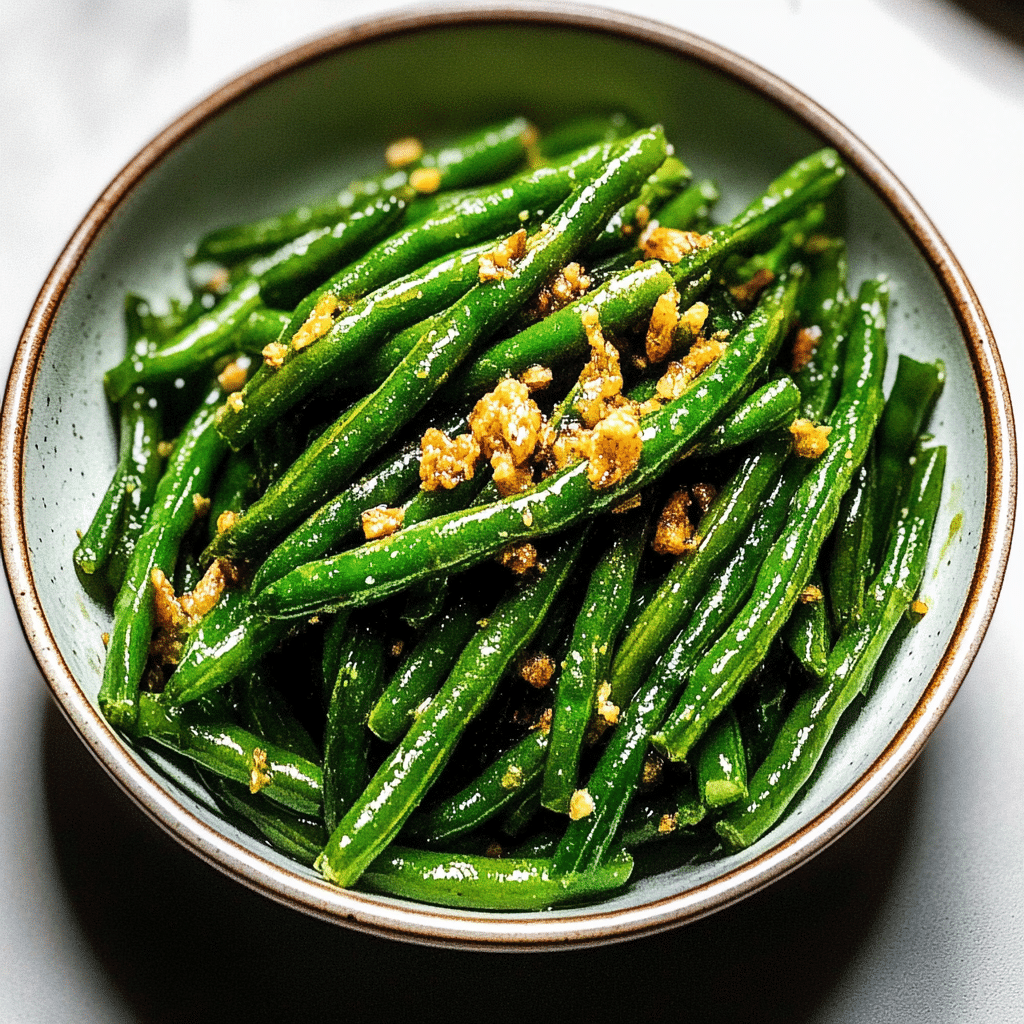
(423, 923)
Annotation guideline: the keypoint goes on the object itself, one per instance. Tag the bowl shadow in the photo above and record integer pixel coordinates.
(182, 942)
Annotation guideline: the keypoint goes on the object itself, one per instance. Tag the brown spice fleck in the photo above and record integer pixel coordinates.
(226, 521)
(662, 327)
(804, 346)
(747, 292)
(425, 180)
(601, 377)
(703, 493)
(164, 449)
(668, 823)
(567, 286)
(499, 263)
(381, 521)
(519, 558)
(653, 771)
(615, 448)
(105, 637)
(536, 377)
(259, 774)
(506, 424)
(201, 506)
(537, 669)
(674, 534)
(810, 594)
(581, 804)
(809, 441)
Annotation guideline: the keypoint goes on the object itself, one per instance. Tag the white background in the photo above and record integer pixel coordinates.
(916, 915)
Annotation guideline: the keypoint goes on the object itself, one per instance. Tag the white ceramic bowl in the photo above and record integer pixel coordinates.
(321, 114)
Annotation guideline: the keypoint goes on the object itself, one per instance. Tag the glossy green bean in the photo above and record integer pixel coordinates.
(816, 715)
(408, 772)
(722, 763)
(807, 633)
(564, 498)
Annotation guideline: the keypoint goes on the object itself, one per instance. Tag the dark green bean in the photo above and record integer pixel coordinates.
(817, 713)
(406, 774)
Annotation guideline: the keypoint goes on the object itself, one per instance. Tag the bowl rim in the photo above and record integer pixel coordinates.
(472, 930)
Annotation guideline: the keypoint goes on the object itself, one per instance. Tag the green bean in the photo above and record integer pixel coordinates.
(613, 782)
(234, 753)
(423, 670)
(485, 154)
(339, 451)
(301, 838)
(485, 797)
(621, 302)
(482, 214)
(327, 528)
(772, 406)
(753, 487)
(235, 488)
(817, 713)
(788, 565)
(484, 883)
(807, 632)
(213, 334)
(762, 706)
(523, 811)
(562, 499)
(849, 566)
(356, 686)
(231, 638)
(189, 473)
(261, 328)
(574, 135)
(408, 772)
(789, 246)
(587, 662)
(348, 347)
(124, 506)
(914, 392)
(825, 304)
(263, 711)
(722, 763)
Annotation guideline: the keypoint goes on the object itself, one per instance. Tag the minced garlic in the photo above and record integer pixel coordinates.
(403, 152)
(809, 441)
(674, 534)
(381, 521)
(670, 245)
(499, 263)
(615, 447)
(318, 323)
(581, 804)
(446, 462)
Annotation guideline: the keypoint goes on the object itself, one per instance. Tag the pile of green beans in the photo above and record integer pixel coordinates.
(502, 699)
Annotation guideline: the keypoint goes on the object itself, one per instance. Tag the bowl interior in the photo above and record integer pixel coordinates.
(295, 137)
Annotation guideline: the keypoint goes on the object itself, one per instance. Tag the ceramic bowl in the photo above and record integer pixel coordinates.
(322, 113)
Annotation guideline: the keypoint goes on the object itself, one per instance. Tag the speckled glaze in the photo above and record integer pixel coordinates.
(321, 114)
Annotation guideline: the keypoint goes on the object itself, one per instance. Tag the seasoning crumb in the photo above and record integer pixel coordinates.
(425, 180)
(519, 558)
(226, 521)
(615, 448)
(746, 292)
(809, 441)
(403, 152)
(446, 462)
(499, 263)
(234, 402)
(805, 344)
(201, 506)
(661, 329)
(670, 245)
(668, 823)
(537, 669)
(105, 637)
(232, 377)
(674, 533)
(274, 355)
(164, 449)
(259, 774)
(536, 377)
(318, 323)
(513, 777)
(919, 608)
(810, 594)
(381, 521)
(581, 804)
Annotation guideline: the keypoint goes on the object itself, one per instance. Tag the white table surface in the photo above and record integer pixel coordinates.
(915, 915)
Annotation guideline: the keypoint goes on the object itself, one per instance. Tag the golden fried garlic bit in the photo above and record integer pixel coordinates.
(381, 521)
(569, 284)
(615, 447)
(670, 245)
(674, 534)
(804, 346)
(601, 377)
(403, 152)
(661, 331)
(681, 373)
(499, 263)
(318, 323)
(446, 462)
(809, 441)
(506, 424)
